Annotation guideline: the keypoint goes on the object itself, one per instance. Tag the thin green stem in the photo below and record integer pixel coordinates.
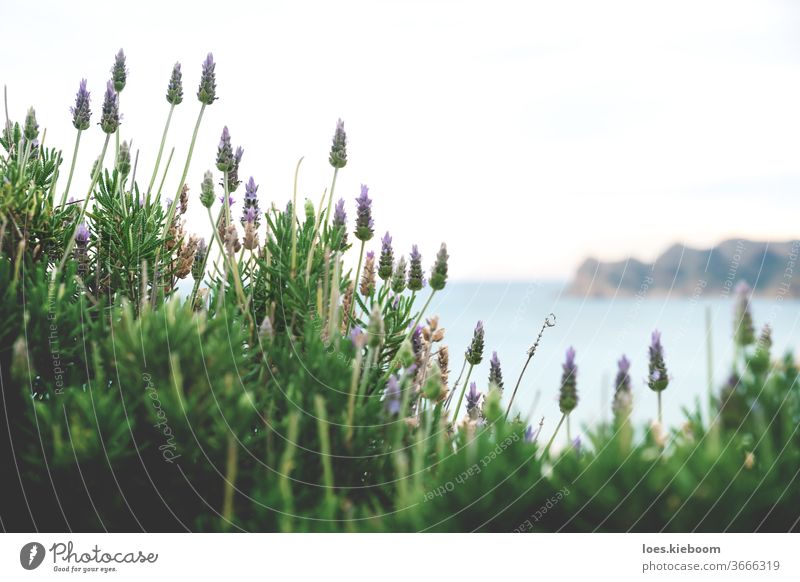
(552, 438)
(71, 241)
(214, 236)
(163, 176)
(421, 313)
(330, 198)
(294, 219)
(659, 407)
(72, 167)
(461, 396)
(353, 302)
(160, 149)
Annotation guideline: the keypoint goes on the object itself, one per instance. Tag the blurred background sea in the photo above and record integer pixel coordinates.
(601, 330)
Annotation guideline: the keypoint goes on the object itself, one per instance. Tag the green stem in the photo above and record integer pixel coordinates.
(330, 199)
(659, 407)
(160, 150)
(516, 387)
(421, 313)
(461, 396)
(569, 431)
(294, 219)
(163, 176)
(72, 167)
(353, 302)
(552, 438)
(214, 236)
(71, 241)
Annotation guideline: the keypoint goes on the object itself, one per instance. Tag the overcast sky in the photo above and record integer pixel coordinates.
(527, 135)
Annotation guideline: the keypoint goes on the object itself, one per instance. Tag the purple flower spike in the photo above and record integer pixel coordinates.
(82, 233)
(207, 92)
(364, 223)
(250, 211)
(109, 120)
(175, 87)
(623, 397)
(658, 379)
(387, 258)
(119, 72)
(415, 274)
(392, 396)
(495, 373)
(338, 157)
(568, 396)
(474, 354)
(473, 396)
(225, 151)
(81, 113)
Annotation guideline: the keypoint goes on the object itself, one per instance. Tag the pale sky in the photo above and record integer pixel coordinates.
(527, 135)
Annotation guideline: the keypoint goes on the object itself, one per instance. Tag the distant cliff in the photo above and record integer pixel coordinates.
(770, 268)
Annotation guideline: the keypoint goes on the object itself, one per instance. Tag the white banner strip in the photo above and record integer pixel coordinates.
(349, 557)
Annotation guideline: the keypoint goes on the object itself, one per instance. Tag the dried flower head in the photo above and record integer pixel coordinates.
(110, 117)
(184, 199)
(233, 173)
(347, 304)
(338, 157)
(207, 92)
(82, 235)
(186, 257)
(81, 113)
(368, 275)
(657, 379)
(175, 87)
(250, 239)
(364, 224)
(474, 353)
(415, 274)
(231, 241)
(568, 396)
(119, 72)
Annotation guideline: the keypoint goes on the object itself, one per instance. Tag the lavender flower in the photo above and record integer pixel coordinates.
(358, 337)
(338, 157)
(473, 398)
(531, 435)
(732, 403)
(623, 397)
(207, 190)
(81, 245)
(474, 354)
(199, 260)
(386, 259)
(416, 342)
(340, 221)
(233, 173)
(568, 396)
(175, 87)
(392, 396)
(81, 113)
(439, 271)
(109, 119)
(225, 151)
(415, 275)
(119, 72)
(250, 211)
(364, 224)
(399, 277)
(207, 92)
(657, 378)
(31, 131)
(743, 322)
(495, 373)
(124, 159)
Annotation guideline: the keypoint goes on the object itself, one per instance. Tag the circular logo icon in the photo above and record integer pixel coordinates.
(31, 555)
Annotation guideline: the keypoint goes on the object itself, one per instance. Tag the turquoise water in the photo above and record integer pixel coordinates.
(601, 330)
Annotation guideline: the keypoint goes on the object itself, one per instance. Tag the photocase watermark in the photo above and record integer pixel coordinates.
(473, 470)
(733, 269)
(169, 448)
(537, 515)
(31, 555)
